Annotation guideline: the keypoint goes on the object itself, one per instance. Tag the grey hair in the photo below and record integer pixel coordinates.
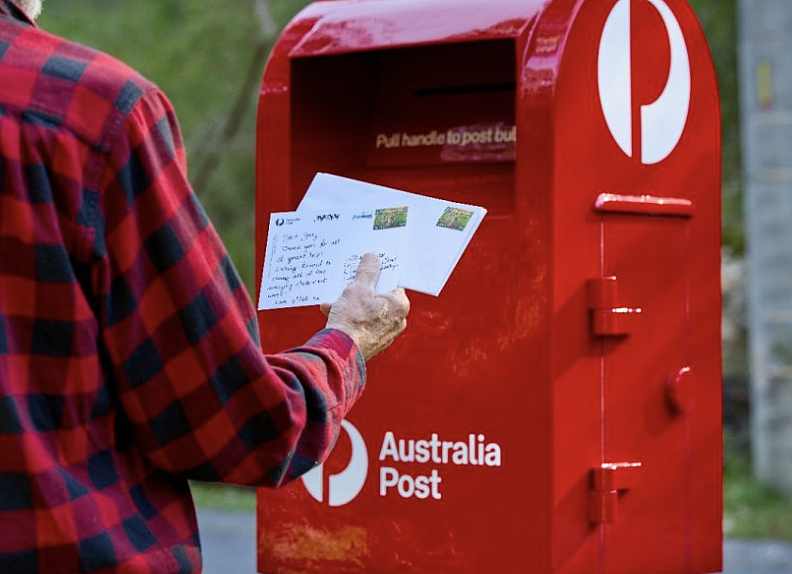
(31, 7)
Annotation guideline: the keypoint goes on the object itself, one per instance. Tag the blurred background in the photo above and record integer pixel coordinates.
(208, 56)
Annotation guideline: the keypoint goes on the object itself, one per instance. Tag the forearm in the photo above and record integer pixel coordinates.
(270, 419)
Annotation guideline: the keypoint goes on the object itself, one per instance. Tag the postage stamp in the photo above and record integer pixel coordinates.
(455, 218)
(390, 218)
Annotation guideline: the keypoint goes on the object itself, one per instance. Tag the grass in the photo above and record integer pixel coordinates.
(751, 510)
(224, 497)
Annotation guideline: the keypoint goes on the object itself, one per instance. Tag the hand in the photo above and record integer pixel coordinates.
(372, 320)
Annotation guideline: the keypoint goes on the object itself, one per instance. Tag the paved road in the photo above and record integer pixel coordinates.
(744, 557)
(229, 542)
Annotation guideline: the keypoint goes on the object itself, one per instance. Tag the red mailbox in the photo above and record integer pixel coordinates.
(557, 409)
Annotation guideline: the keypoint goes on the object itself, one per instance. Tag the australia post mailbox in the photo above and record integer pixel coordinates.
(557, 408)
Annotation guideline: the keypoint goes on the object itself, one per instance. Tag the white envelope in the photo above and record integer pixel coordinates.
(439, 230)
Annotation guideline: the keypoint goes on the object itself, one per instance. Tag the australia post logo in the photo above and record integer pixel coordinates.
(648, 130)
(429, 454)
(343, 487)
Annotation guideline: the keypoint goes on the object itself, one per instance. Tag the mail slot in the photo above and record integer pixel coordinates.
(556, 409)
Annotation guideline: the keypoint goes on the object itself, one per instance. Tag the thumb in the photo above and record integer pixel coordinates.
(368, 272)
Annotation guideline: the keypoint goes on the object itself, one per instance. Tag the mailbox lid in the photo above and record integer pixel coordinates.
(342, 26)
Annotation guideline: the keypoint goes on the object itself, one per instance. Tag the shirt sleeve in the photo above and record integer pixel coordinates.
(179, 329)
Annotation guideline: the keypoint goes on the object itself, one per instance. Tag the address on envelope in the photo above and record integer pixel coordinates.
(312, 256)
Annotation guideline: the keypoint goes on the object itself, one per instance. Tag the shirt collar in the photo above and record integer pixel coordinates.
(8, 8)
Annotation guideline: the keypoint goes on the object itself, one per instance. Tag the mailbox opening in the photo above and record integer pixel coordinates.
(438, 120)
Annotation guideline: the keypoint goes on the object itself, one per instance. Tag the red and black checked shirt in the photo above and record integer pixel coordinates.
(129, 359)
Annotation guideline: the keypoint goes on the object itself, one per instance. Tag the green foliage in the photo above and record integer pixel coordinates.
(224, 497)
(198, 52)
(751, 510)
(719, 20)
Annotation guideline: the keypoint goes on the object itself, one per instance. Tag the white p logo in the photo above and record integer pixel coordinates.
(663, 121)
(347, 484)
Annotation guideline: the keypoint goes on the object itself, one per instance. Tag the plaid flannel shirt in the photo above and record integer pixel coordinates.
(129, 357)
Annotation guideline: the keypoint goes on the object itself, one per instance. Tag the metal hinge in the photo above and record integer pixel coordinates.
(607, 482)
(608, 318)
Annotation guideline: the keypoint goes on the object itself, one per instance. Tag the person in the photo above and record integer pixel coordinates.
(129, 357)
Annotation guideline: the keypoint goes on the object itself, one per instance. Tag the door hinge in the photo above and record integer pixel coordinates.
(608, 481)
(608, 318)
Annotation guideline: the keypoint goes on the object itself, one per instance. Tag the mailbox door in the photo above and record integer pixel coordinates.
(664, 258)
(645, 347)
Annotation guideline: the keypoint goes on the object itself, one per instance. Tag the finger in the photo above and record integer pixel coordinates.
(398, 298)
(325, 308)
(368, 272)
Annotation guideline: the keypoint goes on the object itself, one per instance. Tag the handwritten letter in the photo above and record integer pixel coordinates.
(312, 256)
